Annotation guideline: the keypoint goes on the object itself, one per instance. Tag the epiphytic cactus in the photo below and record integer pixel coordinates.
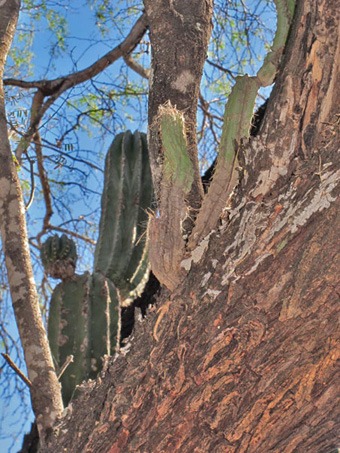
(59, 257)
(83, 321)
(121, 251)
(171, 252)
(84, 317)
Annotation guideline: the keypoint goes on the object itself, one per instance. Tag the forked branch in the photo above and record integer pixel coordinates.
(169, 247)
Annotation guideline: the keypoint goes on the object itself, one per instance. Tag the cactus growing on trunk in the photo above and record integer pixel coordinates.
(84, 318)
(174, 247)
(121, 251)
(59, 256)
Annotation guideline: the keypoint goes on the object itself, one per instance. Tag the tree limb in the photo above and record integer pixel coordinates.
(52, 89)
(45, 390)
(17, 370)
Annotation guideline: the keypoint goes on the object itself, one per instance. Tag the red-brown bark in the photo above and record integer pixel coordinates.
(248, 350)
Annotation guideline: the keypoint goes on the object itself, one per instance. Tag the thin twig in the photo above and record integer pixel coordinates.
(44, 181)
(69, 359)
(71, 233)
(221, 68)
(16, 369)
(53, 89)
(30, 200)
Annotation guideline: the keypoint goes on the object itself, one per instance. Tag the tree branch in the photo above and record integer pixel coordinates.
(45, 389)
(17, 370)
(52, 89)
(145, 73)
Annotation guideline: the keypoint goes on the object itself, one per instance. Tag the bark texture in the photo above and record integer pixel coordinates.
(179, 31)
(245, 355)
(45, 388)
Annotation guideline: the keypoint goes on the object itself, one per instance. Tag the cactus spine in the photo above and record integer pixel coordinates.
(84, 317)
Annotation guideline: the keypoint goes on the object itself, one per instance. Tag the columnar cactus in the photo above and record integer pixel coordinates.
(121, 252)
(84, 317)
(68, 330)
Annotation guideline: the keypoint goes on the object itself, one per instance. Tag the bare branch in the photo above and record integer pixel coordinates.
(31, 197)
(69, 359)
(53, 89)
(71, 233)
(145, 73)
(221, 68)
(16, 369)
(44, 184)
(50, 87)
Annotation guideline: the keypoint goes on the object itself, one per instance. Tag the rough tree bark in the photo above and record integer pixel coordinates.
(248, 351)
(45, 388)
(179, 34)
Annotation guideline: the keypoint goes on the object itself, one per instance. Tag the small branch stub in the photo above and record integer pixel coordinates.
(17, 370)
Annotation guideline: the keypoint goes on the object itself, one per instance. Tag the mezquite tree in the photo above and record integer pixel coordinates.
(243, 351)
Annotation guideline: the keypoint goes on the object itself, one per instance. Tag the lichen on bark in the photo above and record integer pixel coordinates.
(45, 390)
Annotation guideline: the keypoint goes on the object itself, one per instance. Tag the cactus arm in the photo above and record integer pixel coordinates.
(177, 167)
(138, 268)
(84, 321)
(237, 120)
(110, 205)
(138, 280)
(134, 183)
(285, 11)
(236, 126)
(115, 317)
(59, 257)
(167, 244)
(72, 297)
(99, 322)
(53, 326)
(126, 198)
(132, 162)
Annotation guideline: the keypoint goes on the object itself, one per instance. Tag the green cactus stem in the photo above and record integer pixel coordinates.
(285, 11)
(84, 321)
(84, 317)
(104, 322)
(126, 198)
(237, 121)
(59, 256)
(168, 245)
(68, 331)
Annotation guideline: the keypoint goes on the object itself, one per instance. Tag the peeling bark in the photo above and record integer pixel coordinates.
(245, 355)
(45, 389)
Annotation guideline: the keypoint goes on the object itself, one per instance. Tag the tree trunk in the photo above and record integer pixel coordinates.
(45, 388)
(245, 355)
(179, 33)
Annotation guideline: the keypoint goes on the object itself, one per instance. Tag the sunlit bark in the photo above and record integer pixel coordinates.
(45, 388)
